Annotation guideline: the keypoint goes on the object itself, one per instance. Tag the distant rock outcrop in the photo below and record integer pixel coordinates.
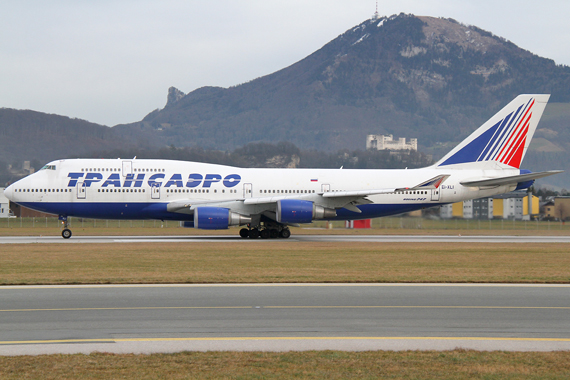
(174, 95)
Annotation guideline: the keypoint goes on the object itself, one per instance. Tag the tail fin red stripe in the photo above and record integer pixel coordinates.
(514, 143)
(509, 142)
(517, 147)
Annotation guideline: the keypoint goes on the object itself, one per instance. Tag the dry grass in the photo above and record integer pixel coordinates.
(458, 364)
(283, 261)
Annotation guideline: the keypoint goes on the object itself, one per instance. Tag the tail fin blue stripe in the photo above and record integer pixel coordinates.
(505, 133)
(510, 119)
(491, 144)
(494, 139)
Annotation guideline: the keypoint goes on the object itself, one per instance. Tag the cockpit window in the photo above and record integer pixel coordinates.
(48, 167)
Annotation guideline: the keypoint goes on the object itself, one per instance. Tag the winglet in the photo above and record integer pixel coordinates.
(432, 183)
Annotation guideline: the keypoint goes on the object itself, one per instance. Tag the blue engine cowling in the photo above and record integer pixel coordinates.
(525, 184)
(294, 211)
(298, 211)
(217, 218)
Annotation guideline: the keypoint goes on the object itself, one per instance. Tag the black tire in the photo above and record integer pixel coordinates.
(285, 233)
(274, 233)
(265, 234)
(66, 233)
(253, 233)
(244, 233)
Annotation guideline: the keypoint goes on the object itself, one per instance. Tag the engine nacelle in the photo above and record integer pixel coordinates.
(525, 184)
(217, 218)
(298, 211)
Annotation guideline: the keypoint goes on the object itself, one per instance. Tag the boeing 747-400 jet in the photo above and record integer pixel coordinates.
(268, 201)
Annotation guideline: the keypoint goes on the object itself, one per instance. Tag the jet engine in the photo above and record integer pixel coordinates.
(217, 218)
(298, 211)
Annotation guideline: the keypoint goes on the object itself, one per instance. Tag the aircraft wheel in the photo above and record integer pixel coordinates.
(265, 234)
(274, 233)
(253, 233)
(244, 233)
(66, 233)
(285, 233)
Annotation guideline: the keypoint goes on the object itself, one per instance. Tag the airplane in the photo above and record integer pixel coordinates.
(268, 201)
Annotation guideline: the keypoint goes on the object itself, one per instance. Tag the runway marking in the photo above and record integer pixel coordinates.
(109, 340)
(291, 307)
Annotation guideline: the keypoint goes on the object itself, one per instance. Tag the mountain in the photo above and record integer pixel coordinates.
(430, 78)
(30, 135)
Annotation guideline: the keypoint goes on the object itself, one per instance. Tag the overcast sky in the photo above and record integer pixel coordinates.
(112, 61)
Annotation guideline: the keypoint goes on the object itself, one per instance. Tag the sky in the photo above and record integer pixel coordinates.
(112, 61)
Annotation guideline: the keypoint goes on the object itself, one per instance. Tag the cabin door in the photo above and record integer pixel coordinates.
(127, 168)
(155, 191)
(247, 190)
(435, 194)
(81, 190)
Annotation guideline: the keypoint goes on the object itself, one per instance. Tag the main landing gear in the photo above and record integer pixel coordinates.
(66, 233)
(267, 232)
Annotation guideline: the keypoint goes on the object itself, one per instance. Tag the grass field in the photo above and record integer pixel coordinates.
(283, 261)
(456, 364)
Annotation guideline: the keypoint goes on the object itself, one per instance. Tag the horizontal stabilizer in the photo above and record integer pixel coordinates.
(511, 180)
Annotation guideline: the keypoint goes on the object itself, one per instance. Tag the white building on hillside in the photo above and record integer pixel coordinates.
(382, 142)
(4, 205)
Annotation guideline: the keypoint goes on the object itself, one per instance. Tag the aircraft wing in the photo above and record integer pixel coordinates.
(510, 180)
(330, 199)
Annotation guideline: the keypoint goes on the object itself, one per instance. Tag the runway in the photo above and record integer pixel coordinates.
(294, 238)
(283, 317)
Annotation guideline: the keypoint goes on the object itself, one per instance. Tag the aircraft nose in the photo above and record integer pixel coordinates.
(9, 191)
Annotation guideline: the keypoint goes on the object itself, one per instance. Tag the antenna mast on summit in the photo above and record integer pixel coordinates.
(375, 16)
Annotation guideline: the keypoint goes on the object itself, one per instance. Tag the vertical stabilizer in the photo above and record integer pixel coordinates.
(503, 140)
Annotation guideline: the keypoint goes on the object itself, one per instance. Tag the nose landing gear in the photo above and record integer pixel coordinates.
(66, 233)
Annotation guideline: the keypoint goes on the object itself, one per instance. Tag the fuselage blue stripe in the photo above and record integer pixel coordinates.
(158, 211)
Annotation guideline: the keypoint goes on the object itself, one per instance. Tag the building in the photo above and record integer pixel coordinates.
(483, 208)
(548, 210)
(514, 205)
(382, 142)
(562, 208)
(4, 205)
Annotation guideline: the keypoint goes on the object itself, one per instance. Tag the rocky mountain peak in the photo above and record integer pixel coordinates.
(174, 95)
(440, 32)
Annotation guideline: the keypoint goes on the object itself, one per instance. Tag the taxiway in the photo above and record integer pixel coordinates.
(282, 317)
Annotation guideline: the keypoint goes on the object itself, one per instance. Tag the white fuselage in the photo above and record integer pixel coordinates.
(144, 189)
